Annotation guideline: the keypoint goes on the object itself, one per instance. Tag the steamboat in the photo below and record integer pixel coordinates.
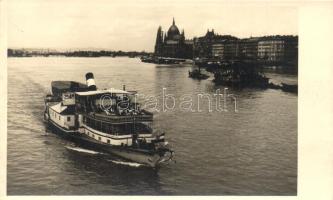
(109, 119)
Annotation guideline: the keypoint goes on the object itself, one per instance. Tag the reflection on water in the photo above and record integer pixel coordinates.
(251, 152)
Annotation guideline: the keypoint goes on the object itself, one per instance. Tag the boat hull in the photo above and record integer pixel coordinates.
(147, 158)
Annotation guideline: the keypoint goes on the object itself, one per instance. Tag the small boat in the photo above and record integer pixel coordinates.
(147, 59)
(289, 87)
(196, 74)
(108, 119)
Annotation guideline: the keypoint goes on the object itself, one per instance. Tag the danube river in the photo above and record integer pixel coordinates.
(249, 152)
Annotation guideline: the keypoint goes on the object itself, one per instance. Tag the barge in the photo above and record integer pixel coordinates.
(240, 74)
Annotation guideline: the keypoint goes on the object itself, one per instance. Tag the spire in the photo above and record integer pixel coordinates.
(159, 40)
(173, 21)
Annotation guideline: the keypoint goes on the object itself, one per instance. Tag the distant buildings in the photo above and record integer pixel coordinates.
(278, 49)
(217, 50)
(262, 49)
(249, 48)
(267, 50)
(173, 43)
(212, 45)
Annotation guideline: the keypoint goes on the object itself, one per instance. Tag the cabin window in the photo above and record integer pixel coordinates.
(99, 138)
(104, 127)
(59, 117)
(68, 119)
(108, 141)
(93, 135)
(98, 125)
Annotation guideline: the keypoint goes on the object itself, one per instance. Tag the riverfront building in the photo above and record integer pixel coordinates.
(213, 45)
(278, 49)
(173, 43)
(218, 50)
(267, 50)
(249, 48)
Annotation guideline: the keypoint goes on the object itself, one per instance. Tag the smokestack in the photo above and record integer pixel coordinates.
(90, 81)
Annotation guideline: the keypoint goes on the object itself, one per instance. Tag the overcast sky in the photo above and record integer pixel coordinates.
(132, 25)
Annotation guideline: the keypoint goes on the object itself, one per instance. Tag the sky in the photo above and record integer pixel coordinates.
(132, 25)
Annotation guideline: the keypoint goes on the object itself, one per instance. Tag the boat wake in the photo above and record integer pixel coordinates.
(78, 149)
(131, 164)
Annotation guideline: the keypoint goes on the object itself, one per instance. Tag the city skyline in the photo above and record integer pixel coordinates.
(132, 26)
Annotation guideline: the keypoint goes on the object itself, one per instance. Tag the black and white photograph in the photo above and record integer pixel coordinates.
(156, 98)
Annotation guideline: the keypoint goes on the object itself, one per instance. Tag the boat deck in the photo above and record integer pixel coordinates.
(143, 116)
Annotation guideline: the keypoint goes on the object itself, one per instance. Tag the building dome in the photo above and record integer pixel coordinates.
(173, 31)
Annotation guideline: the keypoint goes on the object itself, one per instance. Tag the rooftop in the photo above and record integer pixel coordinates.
(107, 91)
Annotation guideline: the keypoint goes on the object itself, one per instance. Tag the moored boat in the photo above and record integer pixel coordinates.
(289, 87)
(109, 119)
(196, 74)
(240, 74)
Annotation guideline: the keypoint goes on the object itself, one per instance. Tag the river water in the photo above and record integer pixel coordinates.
(249, 152)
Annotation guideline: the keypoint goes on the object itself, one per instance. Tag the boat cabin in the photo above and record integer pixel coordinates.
(113, 111)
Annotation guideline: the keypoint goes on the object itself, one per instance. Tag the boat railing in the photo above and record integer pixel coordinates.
(121, 118)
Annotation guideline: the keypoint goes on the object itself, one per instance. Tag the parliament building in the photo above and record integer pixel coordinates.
(173, 43)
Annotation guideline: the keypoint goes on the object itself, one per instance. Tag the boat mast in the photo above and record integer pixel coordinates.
(134, 134)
